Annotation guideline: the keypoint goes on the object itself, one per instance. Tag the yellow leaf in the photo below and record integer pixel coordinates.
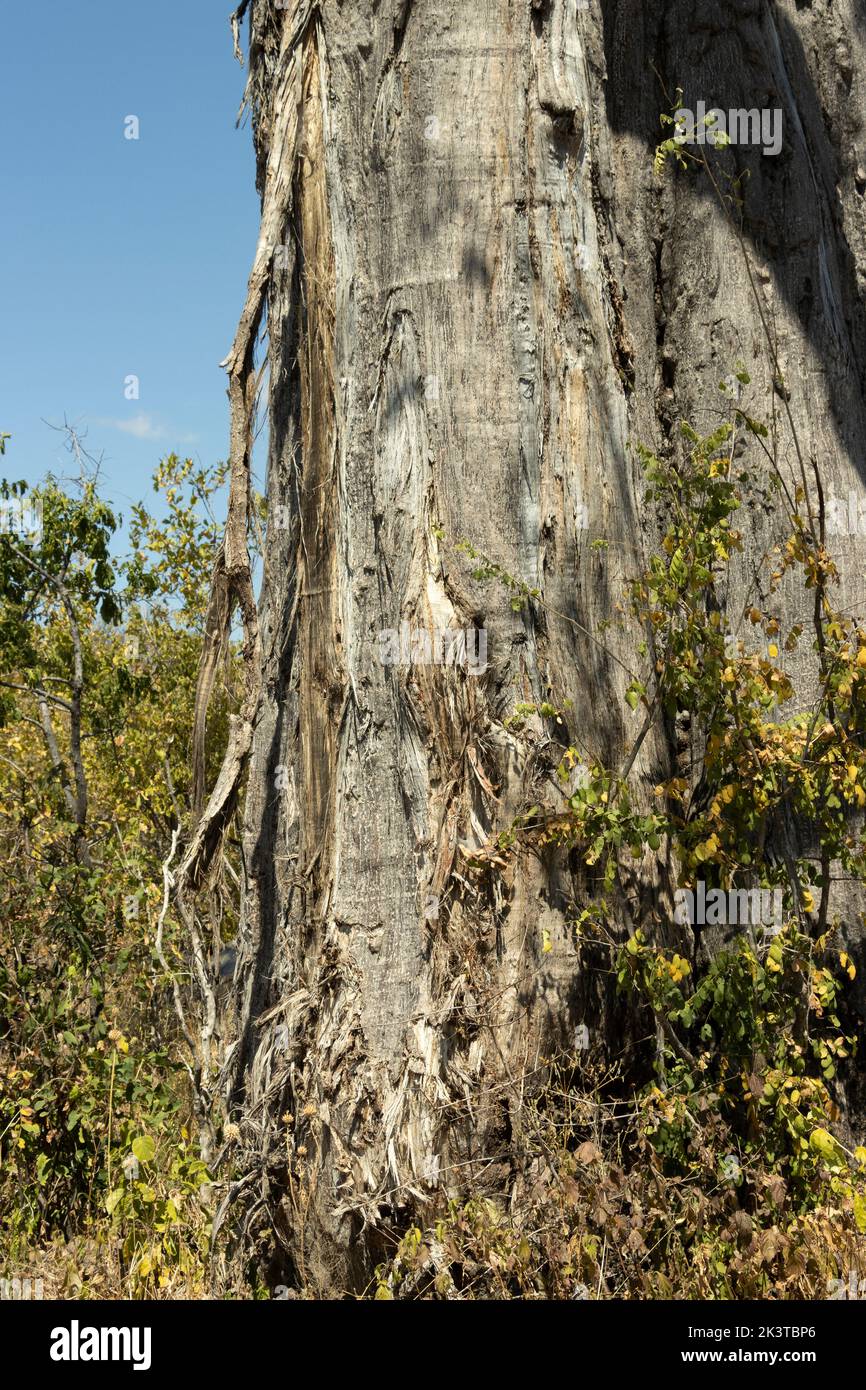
(825, 1146)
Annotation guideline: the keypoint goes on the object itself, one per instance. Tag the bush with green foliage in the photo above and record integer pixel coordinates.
(98, 663)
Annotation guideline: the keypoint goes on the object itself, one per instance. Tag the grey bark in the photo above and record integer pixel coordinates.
(483, 295)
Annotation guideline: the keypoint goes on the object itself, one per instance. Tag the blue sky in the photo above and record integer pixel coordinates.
(120, 257)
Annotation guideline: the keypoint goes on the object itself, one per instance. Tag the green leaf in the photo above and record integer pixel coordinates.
(112, 1200)
(143, 1148)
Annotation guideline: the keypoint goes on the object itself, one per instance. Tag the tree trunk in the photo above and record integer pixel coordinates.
(480, 294)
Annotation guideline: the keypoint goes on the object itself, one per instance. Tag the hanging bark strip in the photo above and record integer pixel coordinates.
(232, 577)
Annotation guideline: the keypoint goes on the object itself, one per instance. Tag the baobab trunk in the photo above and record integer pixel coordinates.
(478, 293)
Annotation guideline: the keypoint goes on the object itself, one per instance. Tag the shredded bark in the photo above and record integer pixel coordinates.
(232, 577)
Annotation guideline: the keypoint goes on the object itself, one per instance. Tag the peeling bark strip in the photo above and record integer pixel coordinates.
(487, 297)
(232, 579)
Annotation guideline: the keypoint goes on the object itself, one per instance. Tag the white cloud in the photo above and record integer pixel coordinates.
(145, 427)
